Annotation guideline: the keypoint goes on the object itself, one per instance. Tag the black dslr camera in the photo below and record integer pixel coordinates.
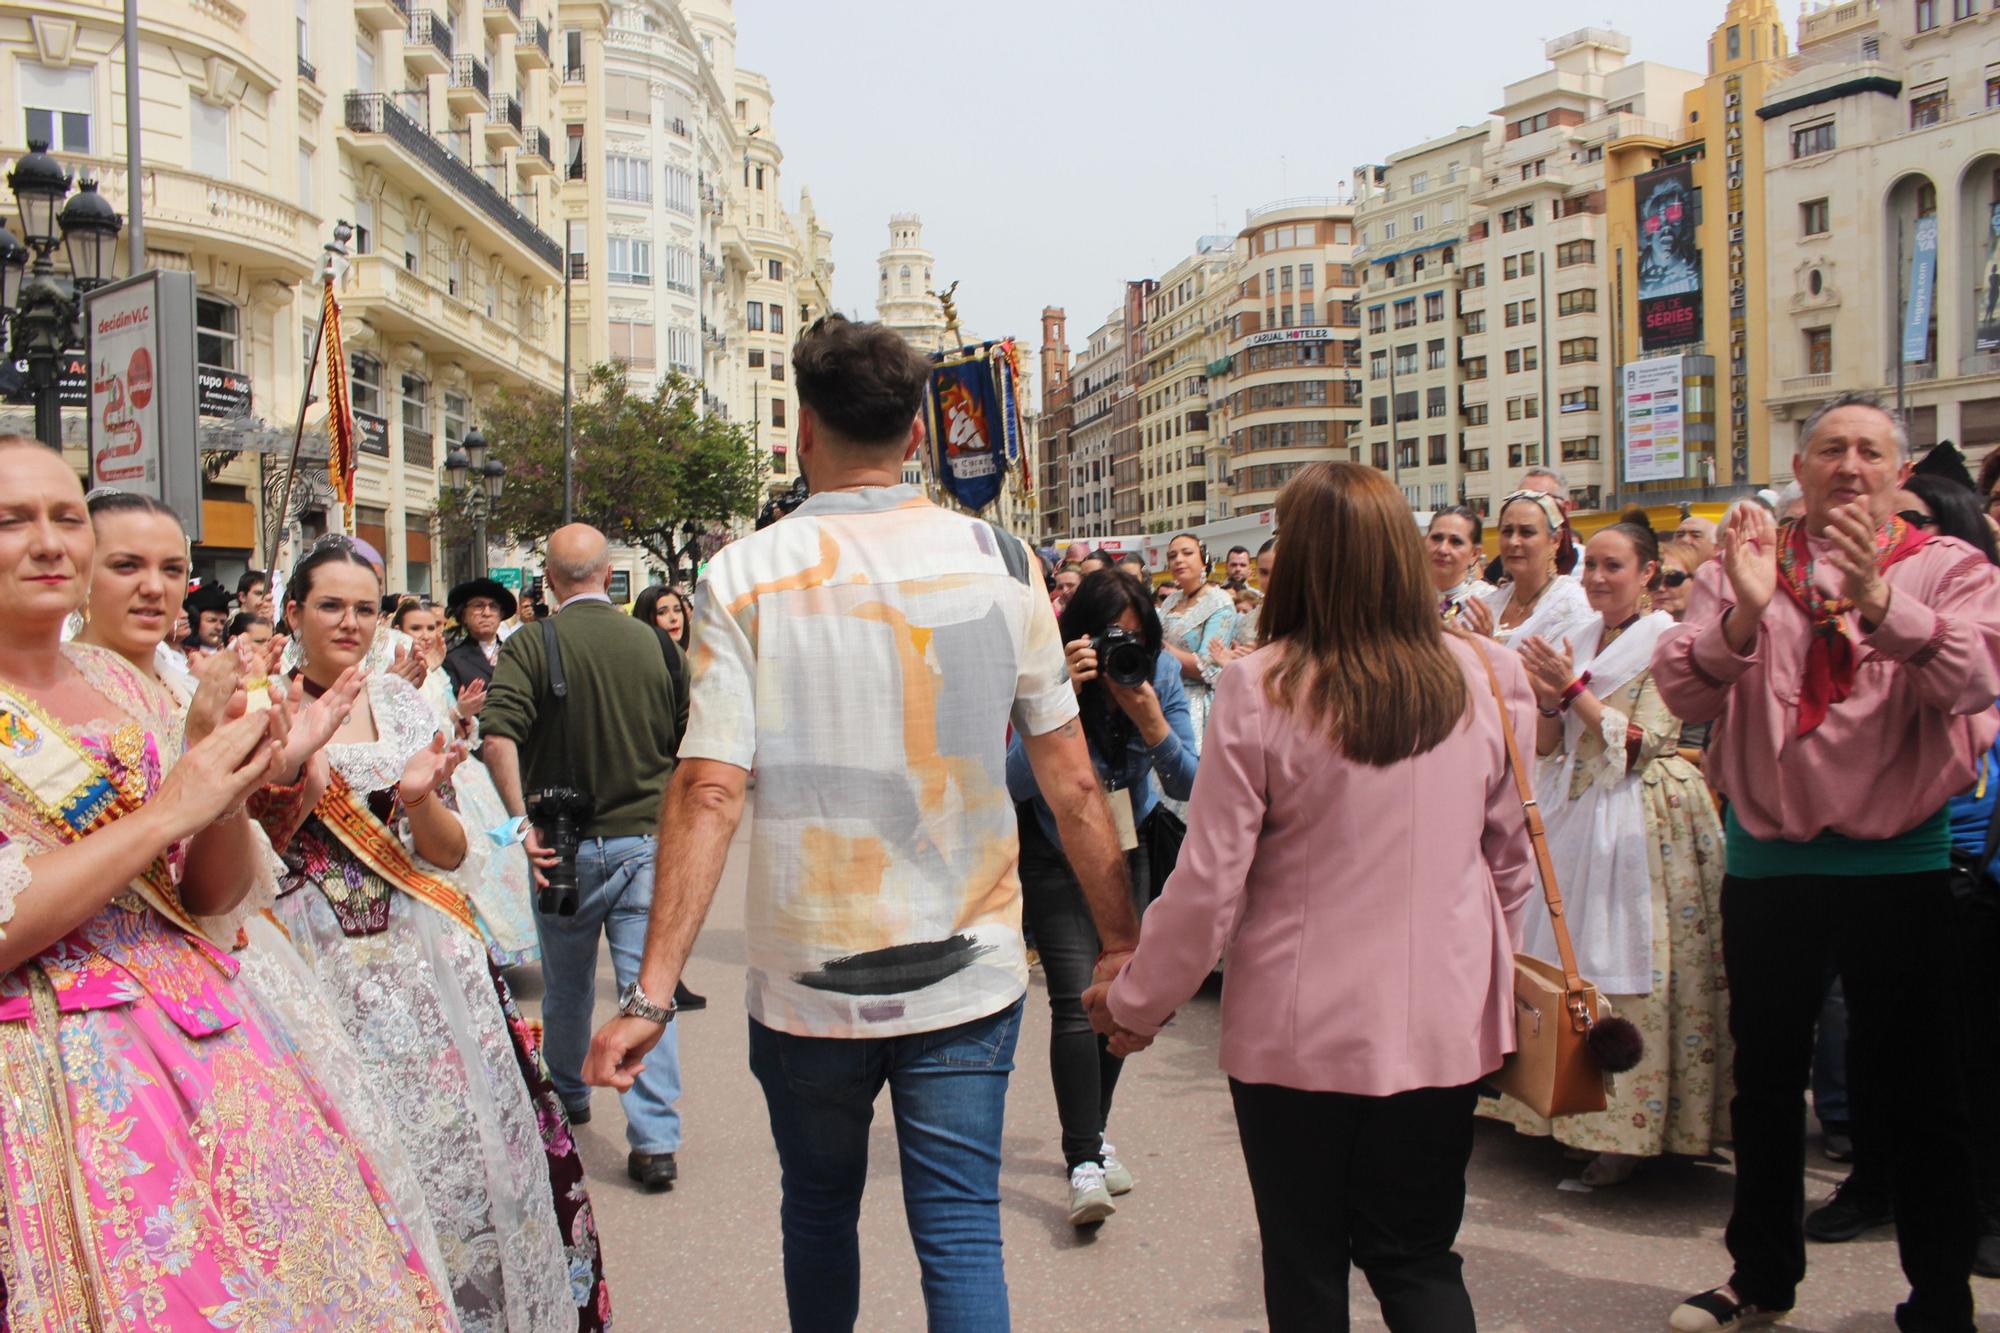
(1123, 658)
(560, 813)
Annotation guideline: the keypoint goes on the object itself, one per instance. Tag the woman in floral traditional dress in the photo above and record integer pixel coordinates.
(137, 582)
(373, 896)
(1196, 617)
(1637, 850)
(166, 1161)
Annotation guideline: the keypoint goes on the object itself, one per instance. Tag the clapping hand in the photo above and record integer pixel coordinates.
(428, 769)
(1750, 557)
(1550, 669)
(307, 729)
(217, 775)
(1851, 529)
(410, 666)
(471, 699)
(1476, 617)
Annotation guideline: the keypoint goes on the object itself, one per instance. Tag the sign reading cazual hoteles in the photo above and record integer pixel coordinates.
(1315, 335)
(144, 431)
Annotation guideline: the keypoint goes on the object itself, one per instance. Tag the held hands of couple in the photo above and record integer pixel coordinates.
(1097, 1003)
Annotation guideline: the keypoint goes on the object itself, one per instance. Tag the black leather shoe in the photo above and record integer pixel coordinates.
(1847, 1215)
(687, 999)
(578, 1115)
(655, 1171)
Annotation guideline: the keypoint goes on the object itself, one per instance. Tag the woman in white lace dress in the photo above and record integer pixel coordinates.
(503, 898)
(1535, 599)
(373, 896)
(137, 581)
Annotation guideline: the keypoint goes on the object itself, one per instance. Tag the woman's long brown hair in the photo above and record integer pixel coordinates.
(1351, 612)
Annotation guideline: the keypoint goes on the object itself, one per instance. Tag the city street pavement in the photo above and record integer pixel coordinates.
(1181, 1253)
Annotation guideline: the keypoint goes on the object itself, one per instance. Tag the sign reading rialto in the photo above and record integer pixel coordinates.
(1655, 443)
(139, 336)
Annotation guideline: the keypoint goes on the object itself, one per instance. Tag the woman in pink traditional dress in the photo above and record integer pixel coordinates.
(375, 896)
(165, 1163)
(138, 579)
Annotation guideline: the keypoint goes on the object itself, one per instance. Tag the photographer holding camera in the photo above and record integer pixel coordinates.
(589, 707)
(1135, 718)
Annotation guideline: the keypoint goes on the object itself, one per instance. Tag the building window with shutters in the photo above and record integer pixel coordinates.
(1819, 351)
(416, 420)
(215, 333)
(57, 105)
(364, 383)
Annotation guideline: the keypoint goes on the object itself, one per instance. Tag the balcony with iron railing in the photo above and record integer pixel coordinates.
(307, 70)
(535, 158)
(380, 130)
(469, 89)
(427, 43)
(531, 47)
(503, 122)
(503, 16)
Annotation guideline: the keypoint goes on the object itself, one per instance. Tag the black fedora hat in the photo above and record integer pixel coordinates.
(482, 587)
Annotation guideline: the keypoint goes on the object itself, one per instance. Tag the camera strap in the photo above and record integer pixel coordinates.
(559, 687)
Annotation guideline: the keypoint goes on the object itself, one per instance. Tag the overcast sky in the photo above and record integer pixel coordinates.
(1055, 148)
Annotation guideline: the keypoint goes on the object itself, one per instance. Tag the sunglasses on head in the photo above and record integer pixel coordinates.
(1674, 578)
(1917, 518)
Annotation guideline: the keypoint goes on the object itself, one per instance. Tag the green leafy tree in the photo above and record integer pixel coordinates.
(647, 466)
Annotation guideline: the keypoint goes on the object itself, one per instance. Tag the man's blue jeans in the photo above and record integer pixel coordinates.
(949, 1093)
(614, 889)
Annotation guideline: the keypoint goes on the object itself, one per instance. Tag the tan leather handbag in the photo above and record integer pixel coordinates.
(1566, 1039)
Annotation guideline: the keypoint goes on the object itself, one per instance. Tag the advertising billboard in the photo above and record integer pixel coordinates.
(1669, 285)
(1655, 446)
(1986, 331)
(143, 428)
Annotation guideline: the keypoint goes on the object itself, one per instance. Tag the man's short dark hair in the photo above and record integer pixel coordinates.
(250, 579)
(863, 381)
(1237, 550)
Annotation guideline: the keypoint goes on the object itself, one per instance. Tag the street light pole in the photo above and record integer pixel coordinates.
(45, 324)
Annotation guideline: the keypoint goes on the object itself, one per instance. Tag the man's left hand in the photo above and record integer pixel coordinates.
(1851, 529)
(618, 1052)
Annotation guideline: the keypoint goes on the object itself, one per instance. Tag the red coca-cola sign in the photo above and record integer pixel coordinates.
(139, 379)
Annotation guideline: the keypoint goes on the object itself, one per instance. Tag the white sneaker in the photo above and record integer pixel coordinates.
(1117, 1176)
(1089, 1202)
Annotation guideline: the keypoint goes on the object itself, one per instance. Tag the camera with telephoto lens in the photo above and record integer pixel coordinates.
(560, 813)
(1123, 658)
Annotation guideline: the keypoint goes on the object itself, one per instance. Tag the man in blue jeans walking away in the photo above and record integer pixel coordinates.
(867, 654)
(612, 737)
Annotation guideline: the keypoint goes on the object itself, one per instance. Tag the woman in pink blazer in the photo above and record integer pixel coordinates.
(1356, 842)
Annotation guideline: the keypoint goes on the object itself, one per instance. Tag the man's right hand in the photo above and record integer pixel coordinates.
(618, 1052)
(540, 856)
(1750, 557)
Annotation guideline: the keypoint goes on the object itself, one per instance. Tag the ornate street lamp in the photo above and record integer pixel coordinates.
(90, 227)
(42, 306)
(478, 481)
(39, 184)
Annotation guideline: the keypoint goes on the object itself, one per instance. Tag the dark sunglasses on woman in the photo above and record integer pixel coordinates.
(1674, 578)
(1917, 518)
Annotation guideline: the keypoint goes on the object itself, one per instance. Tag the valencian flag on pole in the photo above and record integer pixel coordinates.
(339, 410)
(973, 420)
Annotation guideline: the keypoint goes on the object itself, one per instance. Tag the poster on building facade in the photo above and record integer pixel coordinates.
(1655, 434)
(1986, 329)
(1669, 279)
(1923, 281)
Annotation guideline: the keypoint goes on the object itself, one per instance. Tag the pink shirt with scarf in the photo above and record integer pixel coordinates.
(1902, 742)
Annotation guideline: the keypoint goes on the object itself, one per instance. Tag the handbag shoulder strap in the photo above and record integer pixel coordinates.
(1537, 835)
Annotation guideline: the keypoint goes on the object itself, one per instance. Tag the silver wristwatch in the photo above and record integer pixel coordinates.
(632, 1002)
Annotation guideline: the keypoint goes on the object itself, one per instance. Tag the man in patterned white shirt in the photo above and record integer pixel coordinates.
(867, 654)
